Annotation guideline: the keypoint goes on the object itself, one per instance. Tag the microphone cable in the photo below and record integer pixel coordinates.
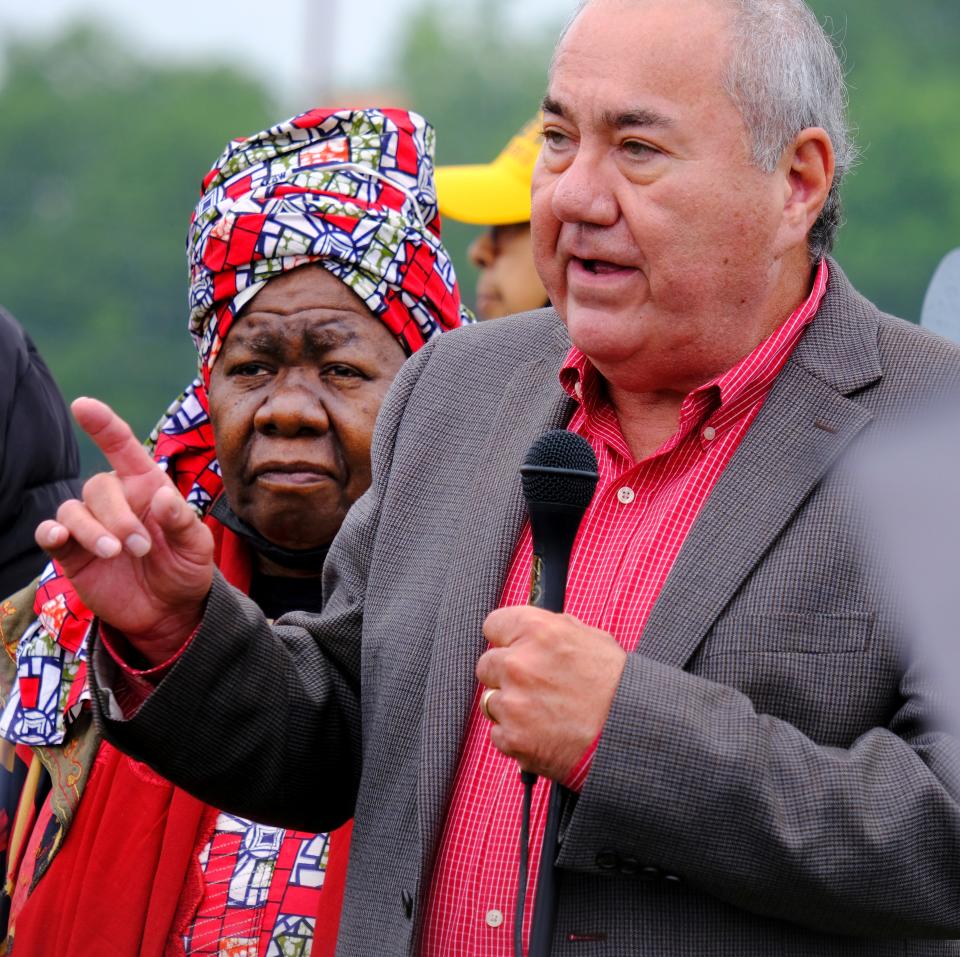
(529, 780)
(559, 477)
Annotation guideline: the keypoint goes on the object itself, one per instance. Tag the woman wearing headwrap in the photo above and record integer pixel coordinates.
(315, 269)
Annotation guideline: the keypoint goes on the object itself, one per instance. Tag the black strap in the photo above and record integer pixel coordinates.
(302, 559)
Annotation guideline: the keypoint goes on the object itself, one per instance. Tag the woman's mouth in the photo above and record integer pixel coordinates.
(298, 475)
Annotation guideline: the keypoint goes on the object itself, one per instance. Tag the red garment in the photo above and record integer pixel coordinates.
(115, 885)
(627, 544)
(127, 880)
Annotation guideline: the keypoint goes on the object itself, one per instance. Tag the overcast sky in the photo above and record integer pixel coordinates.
(254, 31)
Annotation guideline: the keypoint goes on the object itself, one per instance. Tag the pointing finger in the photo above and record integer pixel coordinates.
(113, 437)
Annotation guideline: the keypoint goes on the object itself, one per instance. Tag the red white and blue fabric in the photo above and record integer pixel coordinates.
(262, 885)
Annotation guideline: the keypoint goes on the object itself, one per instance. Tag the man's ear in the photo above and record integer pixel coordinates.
(808, 166)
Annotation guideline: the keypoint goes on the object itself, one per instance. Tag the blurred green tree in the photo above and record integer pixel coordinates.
(102, 157)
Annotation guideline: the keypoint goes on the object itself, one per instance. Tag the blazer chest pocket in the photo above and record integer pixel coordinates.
(790, 634)
(820, 673)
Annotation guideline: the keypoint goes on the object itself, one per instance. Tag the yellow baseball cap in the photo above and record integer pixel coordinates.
(497, 193)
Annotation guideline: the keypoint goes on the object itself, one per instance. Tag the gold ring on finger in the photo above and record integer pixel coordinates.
(485, 704)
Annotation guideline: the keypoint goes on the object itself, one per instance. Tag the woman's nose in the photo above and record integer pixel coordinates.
(293, 408)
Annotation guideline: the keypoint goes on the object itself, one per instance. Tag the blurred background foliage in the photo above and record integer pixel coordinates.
(102, 152)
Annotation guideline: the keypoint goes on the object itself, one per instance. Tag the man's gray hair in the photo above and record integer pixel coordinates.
(785, 75)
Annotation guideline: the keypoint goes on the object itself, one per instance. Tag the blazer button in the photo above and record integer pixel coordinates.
(650, 873)
(629, 866)
(407, 899)
(673, 878)
(608, 860)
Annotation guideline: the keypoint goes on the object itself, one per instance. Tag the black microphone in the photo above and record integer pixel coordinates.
(559, 478)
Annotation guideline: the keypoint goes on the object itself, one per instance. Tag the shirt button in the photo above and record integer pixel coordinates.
(494, 918)
(578, 390)
(709, 433)
(626, 495)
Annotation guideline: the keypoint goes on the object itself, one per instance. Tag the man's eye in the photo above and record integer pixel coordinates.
(554, 138)
(639, 149)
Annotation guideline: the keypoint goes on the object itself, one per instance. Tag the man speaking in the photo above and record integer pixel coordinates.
(751, 763)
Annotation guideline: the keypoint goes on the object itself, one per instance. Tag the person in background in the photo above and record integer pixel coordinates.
(497, 195)
(39, 460)
(316, 268)
(39, 469)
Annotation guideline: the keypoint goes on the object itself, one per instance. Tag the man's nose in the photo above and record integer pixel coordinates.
(583, 192)
(295, 407)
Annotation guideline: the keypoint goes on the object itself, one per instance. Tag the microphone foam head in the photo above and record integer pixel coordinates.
(560, 468)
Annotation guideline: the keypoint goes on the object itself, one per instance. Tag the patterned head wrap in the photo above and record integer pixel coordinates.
(351, 190)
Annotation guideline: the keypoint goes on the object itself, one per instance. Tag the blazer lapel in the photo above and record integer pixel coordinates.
(803, 427)
(533, 403)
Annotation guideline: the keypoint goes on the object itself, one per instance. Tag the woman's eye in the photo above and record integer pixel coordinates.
(249, 369)
(339, 371)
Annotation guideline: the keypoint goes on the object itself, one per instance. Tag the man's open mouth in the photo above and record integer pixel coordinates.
(601, 267)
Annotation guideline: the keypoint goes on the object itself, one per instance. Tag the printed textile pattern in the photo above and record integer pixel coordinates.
(350, 189)
(263, 885)
(51, 666)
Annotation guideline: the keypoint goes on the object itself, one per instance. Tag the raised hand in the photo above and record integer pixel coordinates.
(135, 551)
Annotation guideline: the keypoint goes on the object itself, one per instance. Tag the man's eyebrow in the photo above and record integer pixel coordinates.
(632, 118)
(550, 105)
(612, 119)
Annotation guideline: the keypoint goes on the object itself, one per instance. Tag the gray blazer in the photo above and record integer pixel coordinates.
(771, 780)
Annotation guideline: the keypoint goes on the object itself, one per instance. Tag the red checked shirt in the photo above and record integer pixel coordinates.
(628, 542)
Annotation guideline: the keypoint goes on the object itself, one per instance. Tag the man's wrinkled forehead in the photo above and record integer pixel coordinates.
(634, 58)
(728, 7)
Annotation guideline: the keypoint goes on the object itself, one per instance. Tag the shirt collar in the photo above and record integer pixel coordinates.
(724, 396)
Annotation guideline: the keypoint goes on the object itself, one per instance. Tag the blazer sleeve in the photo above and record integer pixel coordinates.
(264, 721)
(690, 784)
